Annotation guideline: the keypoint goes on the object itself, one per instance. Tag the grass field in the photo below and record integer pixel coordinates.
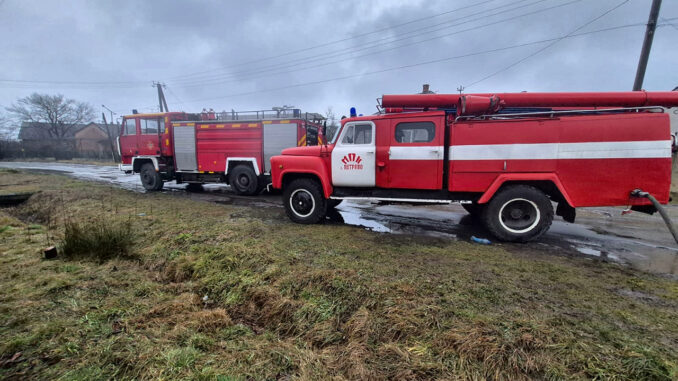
(220, 292)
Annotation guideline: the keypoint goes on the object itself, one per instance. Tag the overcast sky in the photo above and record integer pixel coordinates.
(314, 54)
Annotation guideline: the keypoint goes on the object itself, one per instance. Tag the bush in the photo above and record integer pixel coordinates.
(98, 240)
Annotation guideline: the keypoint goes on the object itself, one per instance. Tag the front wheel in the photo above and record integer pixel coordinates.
(150, 179)
(518, 213)
(243, 180)
(304, 201)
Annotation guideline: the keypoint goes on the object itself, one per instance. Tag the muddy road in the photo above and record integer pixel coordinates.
(636, 239)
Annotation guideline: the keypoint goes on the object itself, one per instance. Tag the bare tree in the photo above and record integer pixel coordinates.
(332, 124)
(9, 145)
(7, 130)
(57, 115)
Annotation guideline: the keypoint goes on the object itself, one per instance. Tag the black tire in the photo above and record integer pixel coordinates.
(332, 203)
(150, 179)
(518, 213)
(194, 188)
(304, 201)
(243, 180)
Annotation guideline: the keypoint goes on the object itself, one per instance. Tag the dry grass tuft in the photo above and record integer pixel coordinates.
(97, 240)
(209, 320)
(514, 350)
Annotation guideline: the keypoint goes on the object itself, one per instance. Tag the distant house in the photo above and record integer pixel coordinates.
(82, 140)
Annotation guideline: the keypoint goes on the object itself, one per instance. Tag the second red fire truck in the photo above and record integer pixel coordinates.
(229, 147)
(506, 157)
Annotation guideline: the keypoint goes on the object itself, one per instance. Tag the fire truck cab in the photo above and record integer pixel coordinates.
(229, 147)
(506, 165)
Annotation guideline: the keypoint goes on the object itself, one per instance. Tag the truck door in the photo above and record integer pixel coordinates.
(128, 140)
(415, 156)
(149, 139)
(353, 157)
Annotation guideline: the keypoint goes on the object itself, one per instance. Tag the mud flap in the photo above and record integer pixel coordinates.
(566, 211)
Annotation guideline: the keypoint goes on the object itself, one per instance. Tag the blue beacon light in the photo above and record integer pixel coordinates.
(353, 112)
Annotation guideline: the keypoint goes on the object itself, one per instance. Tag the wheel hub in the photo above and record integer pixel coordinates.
(244, 181)
(302, 203)
(519, 215)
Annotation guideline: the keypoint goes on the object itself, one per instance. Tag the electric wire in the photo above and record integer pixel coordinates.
(393, 39)
(325, 44)
(547, 46)
(416, 64)
(221, 81)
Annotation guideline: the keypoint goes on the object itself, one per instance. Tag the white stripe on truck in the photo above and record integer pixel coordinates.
(545, 151)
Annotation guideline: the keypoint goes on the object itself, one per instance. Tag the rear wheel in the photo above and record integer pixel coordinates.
(243, 180)
(150, 179)
(304, 201)
(518, 213)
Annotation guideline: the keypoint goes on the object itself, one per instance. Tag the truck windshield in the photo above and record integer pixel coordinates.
(333, 133)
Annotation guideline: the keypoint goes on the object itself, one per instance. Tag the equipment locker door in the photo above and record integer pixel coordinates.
(184, 148)
(277, 137)
(353, 157)
(416, 153)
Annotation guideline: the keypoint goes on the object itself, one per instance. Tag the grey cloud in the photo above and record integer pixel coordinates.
(128, 44)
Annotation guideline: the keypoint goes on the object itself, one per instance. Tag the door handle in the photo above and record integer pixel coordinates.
(381, 164)
(369, 153)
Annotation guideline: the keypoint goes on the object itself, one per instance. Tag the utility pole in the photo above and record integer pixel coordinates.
(109, 110)
(647, 44)
(161, 96)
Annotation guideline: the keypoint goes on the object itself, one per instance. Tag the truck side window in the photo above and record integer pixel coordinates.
(149, 126)
(415, 132)
(358, 134)
(130, 127)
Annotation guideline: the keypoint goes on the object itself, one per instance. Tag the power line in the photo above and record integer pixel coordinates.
(335, 41)
(376, 43)
(547, 46)
(668, 23)
(179, 101)
(132, 84)
(419, 63)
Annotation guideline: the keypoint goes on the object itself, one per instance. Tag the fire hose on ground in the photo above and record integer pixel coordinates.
(660, 209)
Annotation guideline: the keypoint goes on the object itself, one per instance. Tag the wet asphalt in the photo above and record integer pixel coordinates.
(600, 234)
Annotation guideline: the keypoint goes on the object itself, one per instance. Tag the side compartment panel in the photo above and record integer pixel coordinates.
(599, 159)
(277, 137)
(217, 142)
(184, 148)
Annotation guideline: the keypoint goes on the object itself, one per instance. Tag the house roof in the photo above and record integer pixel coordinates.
(38, 131)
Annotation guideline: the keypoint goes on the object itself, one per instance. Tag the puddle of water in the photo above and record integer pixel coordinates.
(351, 215)
(588, 251)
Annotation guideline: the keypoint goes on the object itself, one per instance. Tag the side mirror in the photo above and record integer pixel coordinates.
(325, 129)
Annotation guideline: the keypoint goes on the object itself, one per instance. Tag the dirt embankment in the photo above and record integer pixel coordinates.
(211, 291)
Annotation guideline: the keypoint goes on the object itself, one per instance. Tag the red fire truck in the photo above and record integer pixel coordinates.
(505, 157)
(229, 147)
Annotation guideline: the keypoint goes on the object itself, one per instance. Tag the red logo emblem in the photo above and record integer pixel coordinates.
(352, 161)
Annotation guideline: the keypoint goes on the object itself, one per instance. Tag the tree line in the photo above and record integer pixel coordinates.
(53, 120)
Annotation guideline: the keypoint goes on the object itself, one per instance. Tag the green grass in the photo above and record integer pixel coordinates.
(287, 301)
